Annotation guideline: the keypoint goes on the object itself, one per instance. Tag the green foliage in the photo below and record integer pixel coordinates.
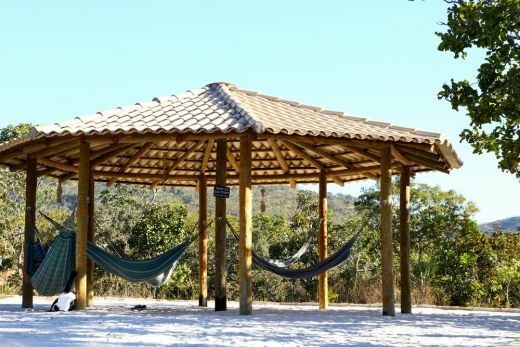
(11, 132)
(493, 103)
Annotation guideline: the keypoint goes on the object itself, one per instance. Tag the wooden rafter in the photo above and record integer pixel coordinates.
(205, 157)
(331, 157)
(434, 165)
(364, 153)
(145, 148)
(106, 154)
(178, 161)
(56, 150)
(280, 159)
(420, 152)
(58, 165)
(183, 157)
(302, 154)
(398, 155)
(232, 160)
(309, 159)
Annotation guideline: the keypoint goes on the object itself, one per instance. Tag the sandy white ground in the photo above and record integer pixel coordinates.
(183, 322)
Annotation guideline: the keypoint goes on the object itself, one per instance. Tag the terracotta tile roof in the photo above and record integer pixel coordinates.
(223, 108)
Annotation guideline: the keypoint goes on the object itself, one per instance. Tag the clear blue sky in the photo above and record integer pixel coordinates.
(376, 59)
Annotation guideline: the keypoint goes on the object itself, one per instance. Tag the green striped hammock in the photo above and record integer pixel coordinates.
(52, 275)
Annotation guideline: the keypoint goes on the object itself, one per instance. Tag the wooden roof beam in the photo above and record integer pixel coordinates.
(131, 161)
(178, 161)
(364, 153)
(331, 157)
(302, 154)
(309, 159)
(96, 159)
(281, 160)
(207, 153)
(420, 152)
(232, 160)
(398, 155)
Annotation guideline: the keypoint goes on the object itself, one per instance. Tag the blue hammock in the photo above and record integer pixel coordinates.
(332, 261)
(52, 275)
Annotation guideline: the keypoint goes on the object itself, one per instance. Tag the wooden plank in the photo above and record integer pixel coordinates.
(142, 151)
(194, 177)
(11, 154)
(303, 155)
(101, 156)
(232, 161)
(386, 233)
(90, 238)
(246, 227)
(364, 153)
(420, 153)
(278, 155)
(399, 156)
(138, 138)
(205, 157)
(56, 149)
(39, 145)
(183, 157)
(220, 230)
(404, 240)
(203, 241)
(331, 157)
(433, 165)
(30, 221)
(58, 165)
(82, 229)
(323, 287)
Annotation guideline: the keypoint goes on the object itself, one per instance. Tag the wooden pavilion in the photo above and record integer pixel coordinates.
(222, 135)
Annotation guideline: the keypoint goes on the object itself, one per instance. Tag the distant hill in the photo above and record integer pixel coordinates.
(279, 199)
(510, 224)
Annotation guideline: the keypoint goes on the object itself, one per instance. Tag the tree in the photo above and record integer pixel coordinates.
(493, 103)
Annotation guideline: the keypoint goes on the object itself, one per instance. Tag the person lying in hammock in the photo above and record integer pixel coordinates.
(36, 265)
(66, 301)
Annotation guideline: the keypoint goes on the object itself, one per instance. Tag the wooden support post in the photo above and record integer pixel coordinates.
(90, 237)
(246, 227)
(322, 240)
(82, 230)
(30, 220)
(220, 230)
(203, 241)
(404, 239)
(386, 232)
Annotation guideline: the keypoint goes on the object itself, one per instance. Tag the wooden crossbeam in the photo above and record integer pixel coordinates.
(331, 157)
(103, 155)
(45, 144)
(55, 150)
(205, 157)
(183, 157)
(232, 160)
(302, 154)
(434, 165)
(145, 148)
(58, 165)
(178, 161)
(364, 153)
(398, 155)
(420, 152)
(281, 160)
(195, 177)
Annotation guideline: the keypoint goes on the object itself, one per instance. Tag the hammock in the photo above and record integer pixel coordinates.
(284, 262)
(334, 260)
(52, 275)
